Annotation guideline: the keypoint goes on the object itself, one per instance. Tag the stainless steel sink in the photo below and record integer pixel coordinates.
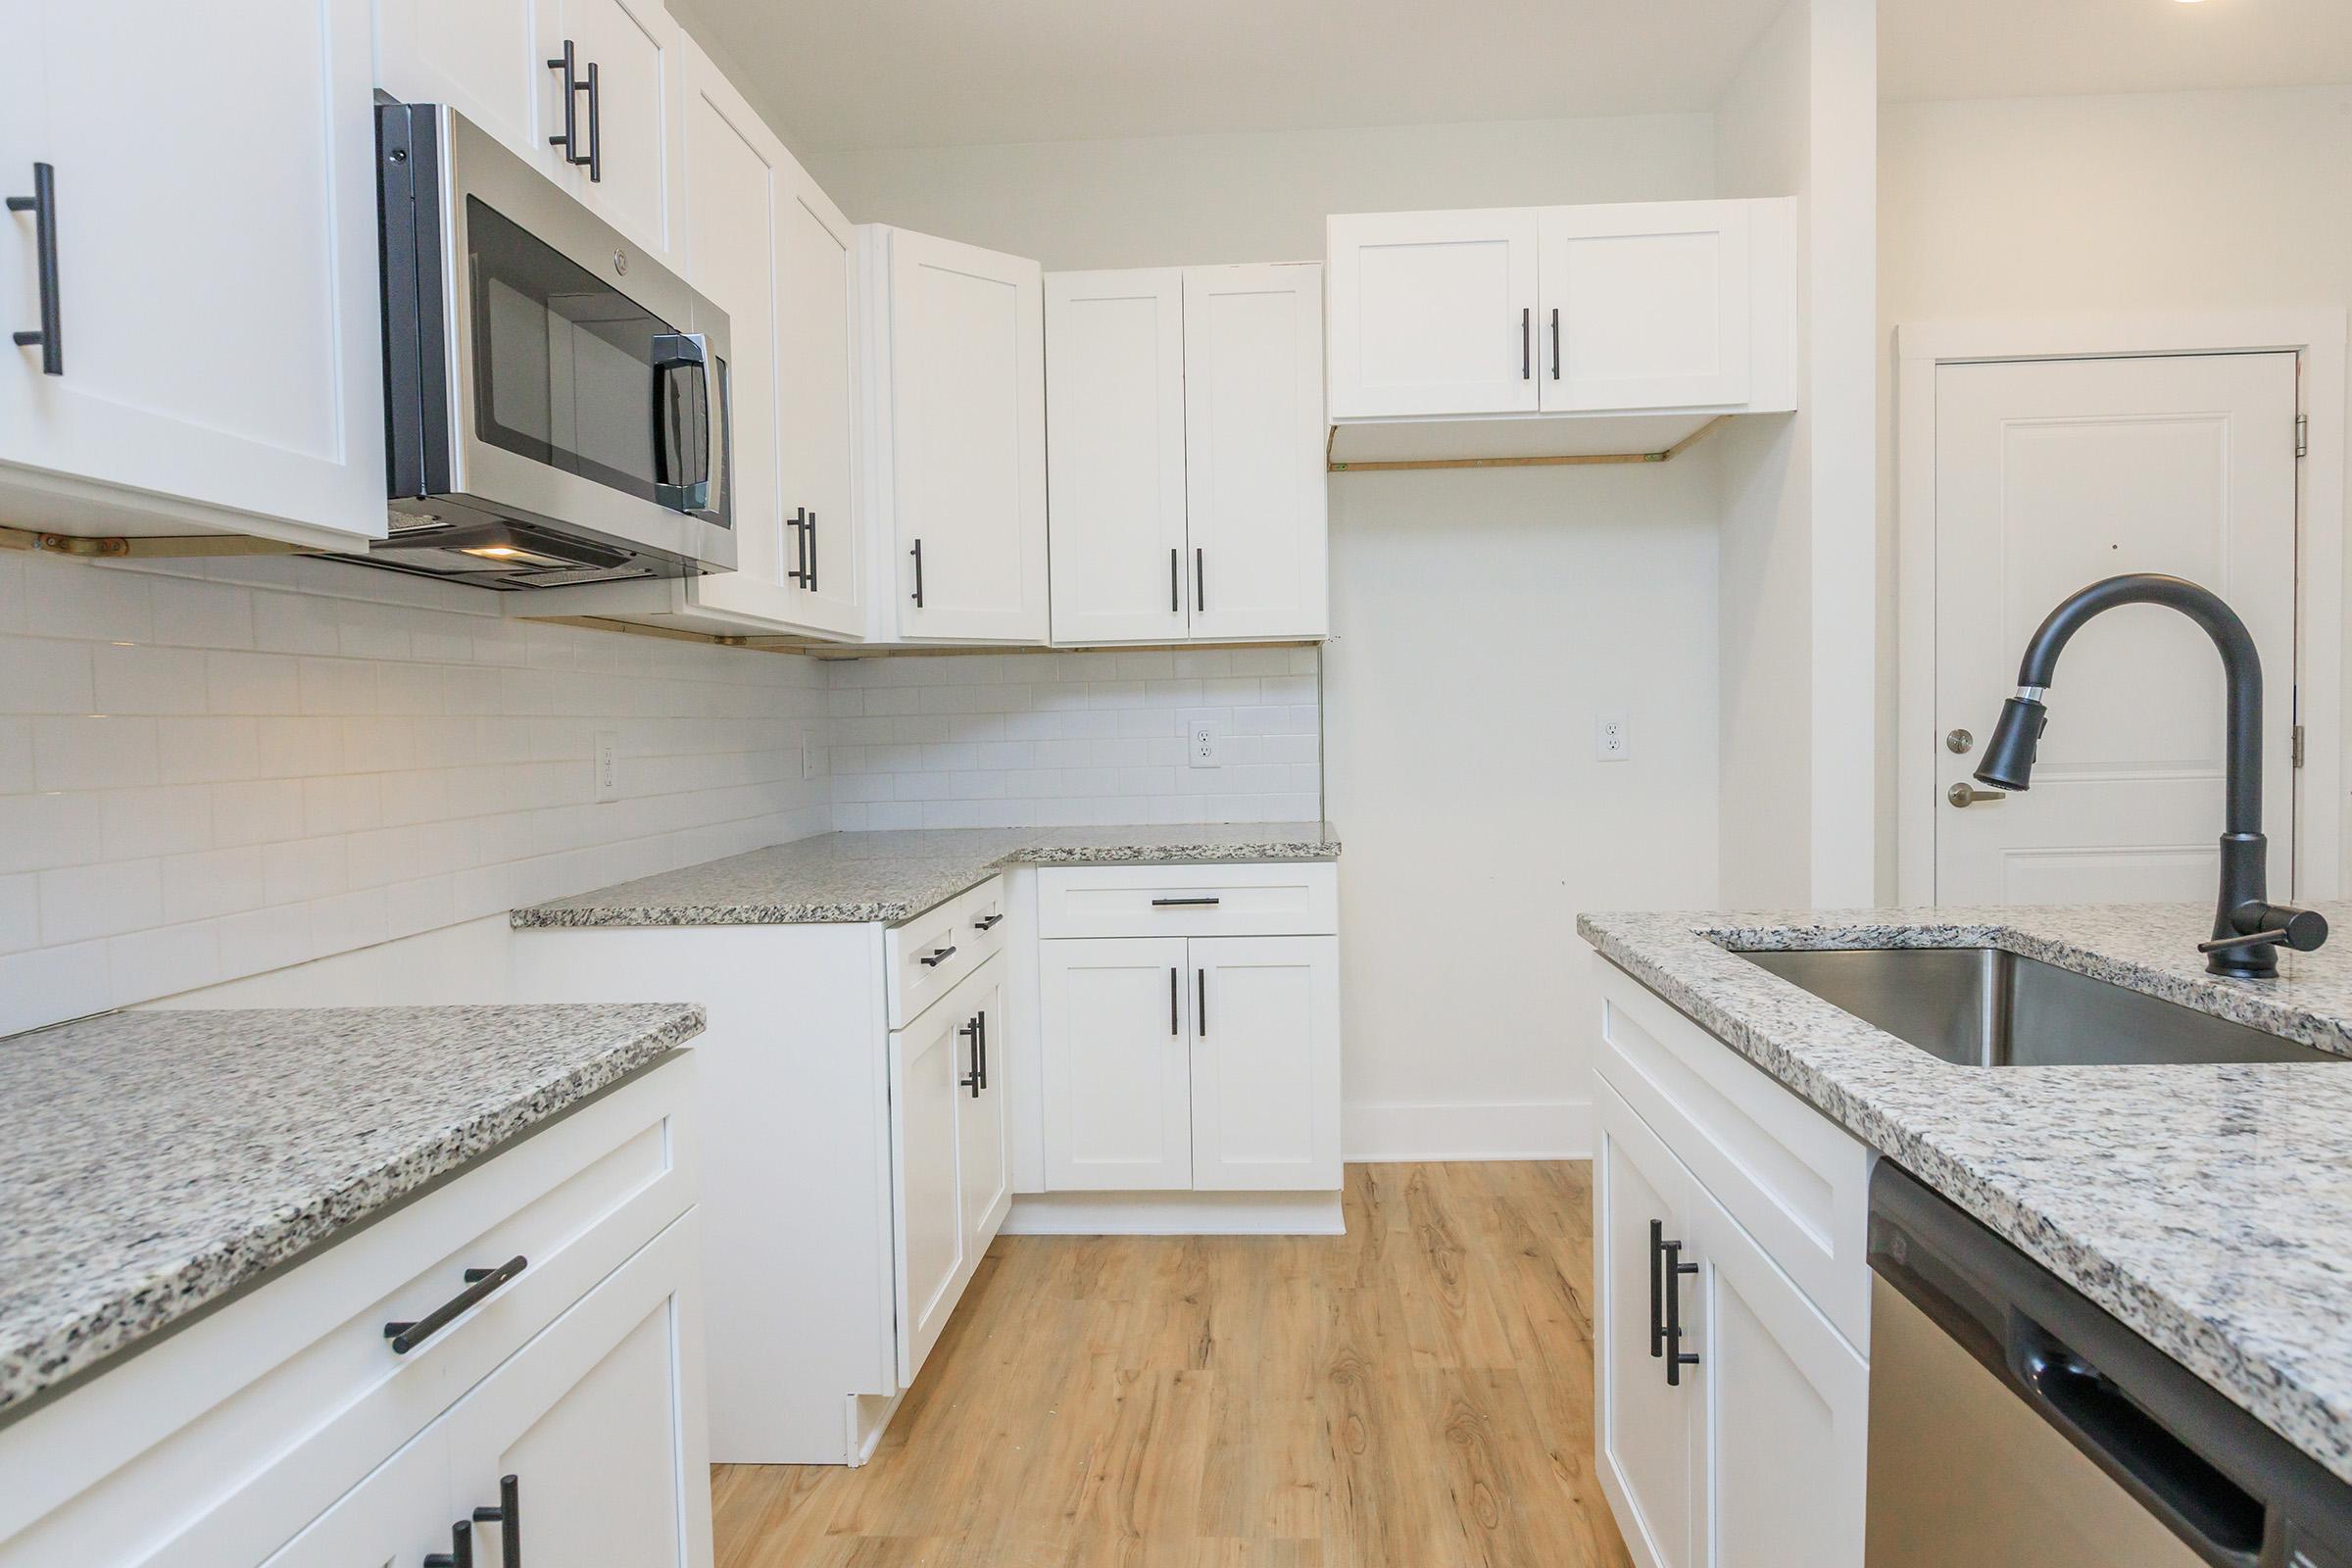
(1983, 1007)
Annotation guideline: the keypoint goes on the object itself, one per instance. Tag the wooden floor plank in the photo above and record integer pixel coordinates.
(1416, 1394)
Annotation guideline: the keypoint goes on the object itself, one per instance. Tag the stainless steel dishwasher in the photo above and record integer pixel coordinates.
(2016, 1424)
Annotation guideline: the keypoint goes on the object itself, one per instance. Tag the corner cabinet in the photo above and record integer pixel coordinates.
(955, 439)
(1732, 1396)
(211, 361)
(1185, 474)
(1557, 330)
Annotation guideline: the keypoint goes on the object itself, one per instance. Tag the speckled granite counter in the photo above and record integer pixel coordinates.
(850, 877)
(152, 1162)
(2208, 1206)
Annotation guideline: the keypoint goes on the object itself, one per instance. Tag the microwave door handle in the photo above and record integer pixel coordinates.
(682, 420)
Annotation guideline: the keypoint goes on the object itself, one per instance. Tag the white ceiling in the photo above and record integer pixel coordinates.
(838, 74)
(2032, 48)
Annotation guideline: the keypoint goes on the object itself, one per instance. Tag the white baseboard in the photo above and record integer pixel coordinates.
(1176, 1214)
(1552, 1129)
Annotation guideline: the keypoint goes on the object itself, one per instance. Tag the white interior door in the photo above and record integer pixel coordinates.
(1116, 468)
(1645, 304)
(1432, 312)
(1254, 438)
(2049, 476)
(967, 431)
(1265, 1064)
(1114, 1027)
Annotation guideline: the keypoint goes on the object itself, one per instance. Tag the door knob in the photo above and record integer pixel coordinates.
(1962, 795)
(1959, 741)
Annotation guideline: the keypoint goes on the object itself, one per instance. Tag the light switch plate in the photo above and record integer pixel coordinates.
(607, 764)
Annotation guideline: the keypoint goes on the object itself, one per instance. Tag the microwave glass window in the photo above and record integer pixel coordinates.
(563, 362)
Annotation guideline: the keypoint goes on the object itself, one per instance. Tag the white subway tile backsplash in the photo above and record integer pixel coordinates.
(102, 900)
(88, 751)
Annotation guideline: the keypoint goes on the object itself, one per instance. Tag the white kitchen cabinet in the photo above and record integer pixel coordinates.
(952, 1187)
(486, 59)
(954, 448)
(1645, 304)
(983, 1130)
(1255, 488)
(1185, 473)
(1113, 1017)
(396, 1517)
(816, 340)
(1432, 312)
(1116, 466)
(1755, 1456)
(1551, 332)
(216, 337)
(1265, 1064)
(628, 159)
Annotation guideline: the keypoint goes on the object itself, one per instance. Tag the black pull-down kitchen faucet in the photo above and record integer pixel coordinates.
(2247, 928)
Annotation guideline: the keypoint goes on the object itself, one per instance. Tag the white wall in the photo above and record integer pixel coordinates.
(210, 774)
(1483, 619)
(2102, 205)
(1023, 740)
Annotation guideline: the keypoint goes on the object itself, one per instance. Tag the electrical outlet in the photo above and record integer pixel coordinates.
(807, 756)
(1205, 739)
(1612, 740)
(607, 766)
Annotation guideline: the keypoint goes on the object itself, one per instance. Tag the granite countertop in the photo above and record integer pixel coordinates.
(152, 1162)
(2210, 1208)
(852, 877)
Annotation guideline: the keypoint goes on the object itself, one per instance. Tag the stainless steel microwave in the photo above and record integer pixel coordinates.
(556, 402)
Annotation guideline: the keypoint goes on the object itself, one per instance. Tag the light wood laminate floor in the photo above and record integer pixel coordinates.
(1417, 1394)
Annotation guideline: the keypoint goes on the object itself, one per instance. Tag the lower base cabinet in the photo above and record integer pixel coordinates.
(1733, 1420)
(951, 1156)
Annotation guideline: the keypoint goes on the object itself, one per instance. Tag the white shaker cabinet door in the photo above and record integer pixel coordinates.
(983, 1135)
(214, 293)
(1116, 466)
(600, 1421)
(1789, 1411)
(1648, 1431)
(631, 125)
(1645, 306)
(485, 58)
(397, 1517)
(1432, 312)
(817, 326)
(930, 1060)
(1116, 1036)
(1253, 441)
(1265, 1064)
(965, 441)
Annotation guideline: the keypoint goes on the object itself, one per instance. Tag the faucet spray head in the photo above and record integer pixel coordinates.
(2009, 756)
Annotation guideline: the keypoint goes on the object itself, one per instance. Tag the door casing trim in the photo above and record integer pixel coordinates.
(2317, 337)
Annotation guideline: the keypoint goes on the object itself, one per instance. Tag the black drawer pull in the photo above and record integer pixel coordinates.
(479, 1283)
(508, 1516)
(460, 1549)
(799, 573)
(42, 204)
(976, 1079)
(1201, 1002)
(987, 922)
(1657, 1290)
(918, 554)
(1675, 1268)
(982, 1042)
(1182, 904)
(938, 956)
(1175, 1024)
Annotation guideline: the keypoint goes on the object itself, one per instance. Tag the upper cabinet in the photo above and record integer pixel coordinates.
(208, 355)
(955, 448)
(591, 91)
(1185, 473)
(1660, 315)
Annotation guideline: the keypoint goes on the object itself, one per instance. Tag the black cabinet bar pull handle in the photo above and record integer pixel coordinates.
(1555, 342)
(1181, 903)
(596, 127)
(984, 1048)
(1175, 1024)
(570, 140)
(1175, 575)
(508, 1516)
(1527, 343)
(1199, 578)
(798, 523)
(1200, 1004)
(1676, 1357)
(1657, 1290)
(971, 1080)
(939, 956)
(42, 204)
(809, 534)
(918, 554)
(479, 1283)
(460, 1549)
(988, 922)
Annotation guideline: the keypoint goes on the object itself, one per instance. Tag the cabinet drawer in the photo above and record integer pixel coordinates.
(1287, 898)
(1795, 1180)
(219, 1442)
(929, 954)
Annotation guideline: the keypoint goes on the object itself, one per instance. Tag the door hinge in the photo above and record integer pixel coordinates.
(2298, 746)
(2302, 436)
